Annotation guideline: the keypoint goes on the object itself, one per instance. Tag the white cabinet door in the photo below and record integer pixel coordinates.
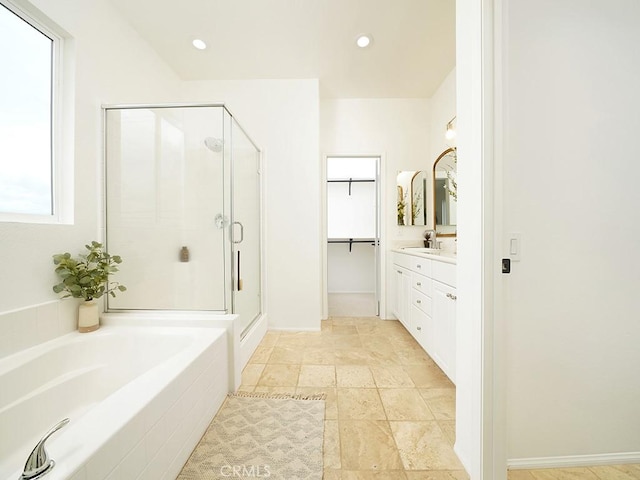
(444, 325)
(402, 288)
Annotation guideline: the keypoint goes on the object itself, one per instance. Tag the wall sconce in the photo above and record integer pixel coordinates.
(450, 133)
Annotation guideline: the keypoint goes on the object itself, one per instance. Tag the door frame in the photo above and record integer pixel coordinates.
(381, 227)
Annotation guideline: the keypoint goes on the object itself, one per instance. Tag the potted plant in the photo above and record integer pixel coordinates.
(87, 277)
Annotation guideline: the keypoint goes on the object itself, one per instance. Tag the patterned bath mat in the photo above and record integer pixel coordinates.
(261, 436)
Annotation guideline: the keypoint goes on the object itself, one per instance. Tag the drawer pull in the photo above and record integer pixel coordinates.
(452, 296)
(419, 266)
(418, 301)
(399, 271)
(419, 328)
(419, 284)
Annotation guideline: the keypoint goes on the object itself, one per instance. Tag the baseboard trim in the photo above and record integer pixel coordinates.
(574, 461)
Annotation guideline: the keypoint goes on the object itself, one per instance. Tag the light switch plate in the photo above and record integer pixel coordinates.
(515, 247)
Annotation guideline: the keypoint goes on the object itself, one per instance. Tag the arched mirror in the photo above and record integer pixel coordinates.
(412, 197)
(445, 192)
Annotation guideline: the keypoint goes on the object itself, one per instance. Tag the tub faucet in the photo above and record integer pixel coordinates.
(38, 464)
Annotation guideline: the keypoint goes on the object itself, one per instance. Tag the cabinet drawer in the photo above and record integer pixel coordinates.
(421, 283)
(422, 329)
(421, 265)
(402, 259)
(421, 301)
(444, 272)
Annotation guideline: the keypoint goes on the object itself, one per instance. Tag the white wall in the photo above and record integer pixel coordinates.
(470, 314)
(571, 171)
(397, 129)
(443, 109)
(112, 65)
(281, 116)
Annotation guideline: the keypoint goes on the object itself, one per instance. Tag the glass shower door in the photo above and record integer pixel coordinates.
(245, 228)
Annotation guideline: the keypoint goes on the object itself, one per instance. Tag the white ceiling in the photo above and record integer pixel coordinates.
(412, 52)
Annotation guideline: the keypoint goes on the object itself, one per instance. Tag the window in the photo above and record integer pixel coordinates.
(29, 54)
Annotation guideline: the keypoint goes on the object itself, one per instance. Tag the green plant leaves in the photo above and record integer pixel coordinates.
(87, 276)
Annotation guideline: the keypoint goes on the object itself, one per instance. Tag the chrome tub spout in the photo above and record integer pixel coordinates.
(39, 463)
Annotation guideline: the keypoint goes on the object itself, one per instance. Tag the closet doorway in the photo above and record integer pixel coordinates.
(353, 236)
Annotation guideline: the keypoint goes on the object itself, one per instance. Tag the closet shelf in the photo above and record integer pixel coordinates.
(351, 241)
(352, 180)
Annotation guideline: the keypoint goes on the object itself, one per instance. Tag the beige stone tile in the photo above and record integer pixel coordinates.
(563, 474)
(315, 340)
(449, 429)
(423, 446)
(270, 338)
(353, 356)
(261, 355)
(330, 402)
(331, 448)
(270, 389)
(343, 320)
(404, 404)
(374, 475)
(441, 401)
(344, 329)
(617, 472)
(251, 373)
(354, 376)
(290, 339)
(368, 445)
(383, 357)
(318, 356)
(437, 475)
(413, 356)
(317, 376)
(360, 404)
(345, 341)
(246, 388)
(279, 376)
(519, 475)
(329, 474)
(428, 376)
(376, 342)
(391, 377)
(285, 355)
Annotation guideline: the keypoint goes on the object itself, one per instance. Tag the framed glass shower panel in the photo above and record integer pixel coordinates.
(165, 170)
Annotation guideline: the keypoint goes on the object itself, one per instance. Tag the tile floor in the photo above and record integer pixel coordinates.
(390, 411)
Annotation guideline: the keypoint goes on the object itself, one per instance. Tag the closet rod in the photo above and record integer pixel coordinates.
(351, 180)
(351, 241)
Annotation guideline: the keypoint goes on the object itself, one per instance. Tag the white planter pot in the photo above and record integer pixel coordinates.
(88, 319)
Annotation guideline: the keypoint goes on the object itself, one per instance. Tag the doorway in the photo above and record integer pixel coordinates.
(353, 236)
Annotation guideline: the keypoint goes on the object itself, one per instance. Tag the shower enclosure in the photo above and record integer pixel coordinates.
(183, 209)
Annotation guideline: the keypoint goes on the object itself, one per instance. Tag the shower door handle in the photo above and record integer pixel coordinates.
(241, 233)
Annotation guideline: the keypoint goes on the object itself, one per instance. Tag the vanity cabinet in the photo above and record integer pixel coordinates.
(425, 303)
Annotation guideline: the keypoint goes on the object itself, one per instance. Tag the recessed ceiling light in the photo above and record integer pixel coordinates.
(199, 44)
(363, 41)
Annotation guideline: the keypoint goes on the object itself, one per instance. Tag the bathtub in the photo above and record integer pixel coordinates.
(139, 399)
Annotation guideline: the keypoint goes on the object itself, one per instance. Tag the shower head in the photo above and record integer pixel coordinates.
(213, 144)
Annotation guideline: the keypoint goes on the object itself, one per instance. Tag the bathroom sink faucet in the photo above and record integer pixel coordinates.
(433, 242)
(38, 464)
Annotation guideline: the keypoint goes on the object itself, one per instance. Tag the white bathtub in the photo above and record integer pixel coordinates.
(139, 399)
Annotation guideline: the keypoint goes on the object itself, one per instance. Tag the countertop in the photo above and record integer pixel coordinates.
(430, 253)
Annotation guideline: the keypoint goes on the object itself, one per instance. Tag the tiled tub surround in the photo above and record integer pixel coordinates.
(139, 399)
(26, 327)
